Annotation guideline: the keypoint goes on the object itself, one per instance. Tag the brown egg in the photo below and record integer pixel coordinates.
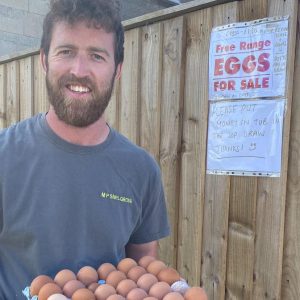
(150, 298)
(136, 272)
(146, 281)
(146, 260)
(195, 293)
(155, 267)
(105, 269)
(115, 297)
(125, 286)
(71, 287)
(49, 289)
(83, 294)
(103, 291)
(87, 275)
(115, 277)
(63, 276)
(93, 286)
(38, 282)
(126, 264)
(159, 290)
(173, 296)
(168, 275)
(136, 294)
(57, 297)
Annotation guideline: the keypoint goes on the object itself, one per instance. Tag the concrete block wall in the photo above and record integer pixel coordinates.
(21, 24)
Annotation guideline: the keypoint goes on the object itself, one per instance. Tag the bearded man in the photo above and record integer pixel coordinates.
(73, 191)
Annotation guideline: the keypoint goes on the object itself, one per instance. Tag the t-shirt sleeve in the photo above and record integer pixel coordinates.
(153, 224)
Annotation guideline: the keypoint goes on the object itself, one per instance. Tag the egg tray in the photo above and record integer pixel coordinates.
(176, 287)
(176, 283)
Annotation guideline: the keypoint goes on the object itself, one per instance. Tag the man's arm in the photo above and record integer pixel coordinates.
(136, 251)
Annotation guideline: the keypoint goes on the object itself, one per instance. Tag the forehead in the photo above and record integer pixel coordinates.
(80, 33)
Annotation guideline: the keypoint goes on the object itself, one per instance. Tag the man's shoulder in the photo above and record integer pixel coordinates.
(128, 150)
(18, 131)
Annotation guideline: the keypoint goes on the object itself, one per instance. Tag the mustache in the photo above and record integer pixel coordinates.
(72, 79)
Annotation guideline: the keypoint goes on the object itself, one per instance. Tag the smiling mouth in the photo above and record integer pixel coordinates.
(78, 88)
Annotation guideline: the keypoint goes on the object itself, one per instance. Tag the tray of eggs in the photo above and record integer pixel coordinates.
(147, 279)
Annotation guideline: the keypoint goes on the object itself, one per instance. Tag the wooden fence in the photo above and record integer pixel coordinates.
(238, 237)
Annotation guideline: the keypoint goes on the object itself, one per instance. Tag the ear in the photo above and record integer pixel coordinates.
(43, 60)
(119, 71)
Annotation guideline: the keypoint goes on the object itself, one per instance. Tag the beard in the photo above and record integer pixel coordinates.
(78, 112)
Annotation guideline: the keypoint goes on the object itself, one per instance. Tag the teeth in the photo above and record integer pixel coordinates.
(79, 88)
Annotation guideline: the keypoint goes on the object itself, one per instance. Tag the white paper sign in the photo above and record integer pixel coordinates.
(245, 137)
(248, 60)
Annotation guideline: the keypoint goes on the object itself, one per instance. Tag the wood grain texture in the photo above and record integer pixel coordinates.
(171, 121)
(130, 86)
(3, 96)
(216, 207)
(241, 238)
(272, 192)
(112, 110)
(40, 96)
(290, 287)
(192, 176)
(242, 212)
(26, 87)
(291, 256)
(151, 87)
(13, 93)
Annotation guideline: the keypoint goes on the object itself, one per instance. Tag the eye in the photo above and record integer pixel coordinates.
(65, 52)
(97, 57)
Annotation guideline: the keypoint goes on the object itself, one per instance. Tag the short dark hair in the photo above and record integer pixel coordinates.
(103, 14)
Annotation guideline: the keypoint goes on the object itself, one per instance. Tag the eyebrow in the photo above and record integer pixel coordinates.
(100, 50)
(91, 49)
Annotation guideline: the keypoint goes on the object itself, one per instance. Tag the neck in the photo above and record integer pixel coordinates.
(91, 135)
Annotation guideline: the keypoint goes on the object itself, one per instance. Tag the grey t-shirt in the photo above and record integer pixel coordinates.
(67, 206)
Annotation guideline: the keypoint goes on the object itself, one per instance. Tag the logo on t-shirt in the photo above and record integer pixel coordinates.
(112, 196)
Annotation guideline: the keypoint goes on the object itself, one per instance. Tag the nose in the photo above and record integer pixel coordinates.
(80, 66)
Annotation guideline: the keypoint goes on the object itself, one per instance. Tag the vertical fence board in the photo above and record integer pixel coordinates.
(2, 96)
(272, 192)
(40, 102)
(111, 112)
(171, 108)
(242, 213)
(13, 93)
(241, 238)
(130, 86)
(194, 147)
(151, 73)
(291, 256)
(26, 87)
(252, 9)
(216, 209)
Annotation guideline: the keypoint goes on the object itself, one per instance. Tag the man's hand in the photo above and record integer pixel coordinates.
(136, 251)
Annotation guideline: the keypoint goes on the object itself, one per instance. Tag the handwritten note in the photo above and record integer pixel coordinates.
(245, 137)
(248, 60)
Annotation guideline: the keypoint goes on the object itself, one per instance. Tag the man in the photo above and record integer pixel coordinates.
(73, 191)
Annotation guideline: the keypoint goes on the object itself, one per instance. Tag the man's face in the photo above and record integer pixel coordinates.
(80, 72)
